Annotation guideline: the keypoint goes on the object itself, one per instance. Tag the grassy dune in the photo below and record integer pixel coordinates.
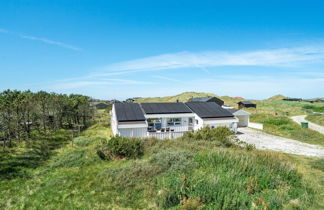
(183, 97)
(316, 118)
(186, 173)
(285, 127)
(196, 172)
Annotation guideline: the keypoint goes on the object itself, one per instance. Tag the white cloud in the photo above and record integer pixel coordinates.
(43, 40)
(47, 41)
(103, 82)
(166, 78)
(278, 57)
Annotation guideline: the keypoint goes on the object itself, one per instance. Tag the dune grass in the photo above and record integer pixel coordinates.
(185, 173)
(195, 172)
(285, 127)
(316, 118)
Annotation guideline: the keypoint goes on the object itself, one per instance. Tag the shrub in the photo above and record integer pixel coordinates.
(222, 135)
(122, 147)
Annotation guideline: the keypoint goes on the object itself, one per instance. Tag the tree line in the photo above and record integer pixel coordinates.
(23, 113)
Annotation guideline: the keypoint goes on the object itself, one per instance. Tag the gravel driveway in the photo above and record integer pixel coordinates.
(266, 141)
(313, 126)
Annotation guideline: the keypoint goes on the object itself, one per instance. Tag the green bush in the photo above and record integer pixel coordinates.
(222, 135)
(121, 147)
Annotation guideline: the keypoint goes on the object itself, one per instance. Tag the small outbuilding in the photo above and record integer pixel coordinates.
(246, 104)
(218, 101)
(242, 116)
(292, 99)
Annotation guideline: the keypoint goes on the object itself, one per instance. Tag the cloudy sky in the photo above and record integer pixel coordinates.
(120, 49)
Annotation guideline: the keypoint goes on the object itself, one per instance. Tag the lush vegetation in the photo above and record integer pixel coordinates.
(316, 118)
(209, 169)
(285, 127)
(314, 108)
(194, 172)
(121, 147)
(24, 115)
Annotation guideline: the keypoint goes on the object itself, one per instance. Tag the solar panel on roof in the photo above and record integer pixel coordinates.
(129, 112)
(165, 108)
(208, 110)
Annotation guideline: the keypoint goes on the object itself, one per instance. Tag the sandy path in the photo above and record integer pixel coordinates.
(266, 141)
(313, 126)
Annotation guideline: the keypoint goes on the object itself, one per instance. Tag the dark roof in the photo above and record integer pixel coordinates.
(129, 112)
(208, 110)
(245, 102)
(165, 108)
(232, 110)
(201, 99)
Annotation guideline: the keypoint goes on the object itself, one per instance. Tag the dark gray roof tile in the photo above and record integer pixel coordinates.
(129, 112)
(208, 110)
(165, 108)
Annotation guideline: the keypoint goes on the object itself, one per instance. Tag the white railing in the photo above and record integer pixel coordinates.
(170, 132)
(165, 135)
(174, 129)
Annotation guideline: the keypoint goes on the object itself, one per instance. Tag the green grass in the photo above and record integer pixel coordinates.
(195, 173)
(285, 127)
(316, 118)
(190, 173)
(315, 108)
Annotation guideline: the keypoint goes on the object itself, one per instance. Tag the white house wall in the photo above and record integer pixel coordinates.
(199, 122)
(229, 123)
(133, 132)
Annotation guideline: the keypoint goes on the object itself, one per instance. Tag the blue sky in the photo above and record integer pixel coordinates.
(119, 49)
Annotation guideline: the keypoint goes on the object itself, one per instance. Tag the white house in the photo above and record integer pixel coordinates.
(168, 120)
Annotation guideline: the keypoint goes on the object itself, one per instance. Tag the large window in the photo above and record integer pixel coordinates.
(174, 121)
(154, 124)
